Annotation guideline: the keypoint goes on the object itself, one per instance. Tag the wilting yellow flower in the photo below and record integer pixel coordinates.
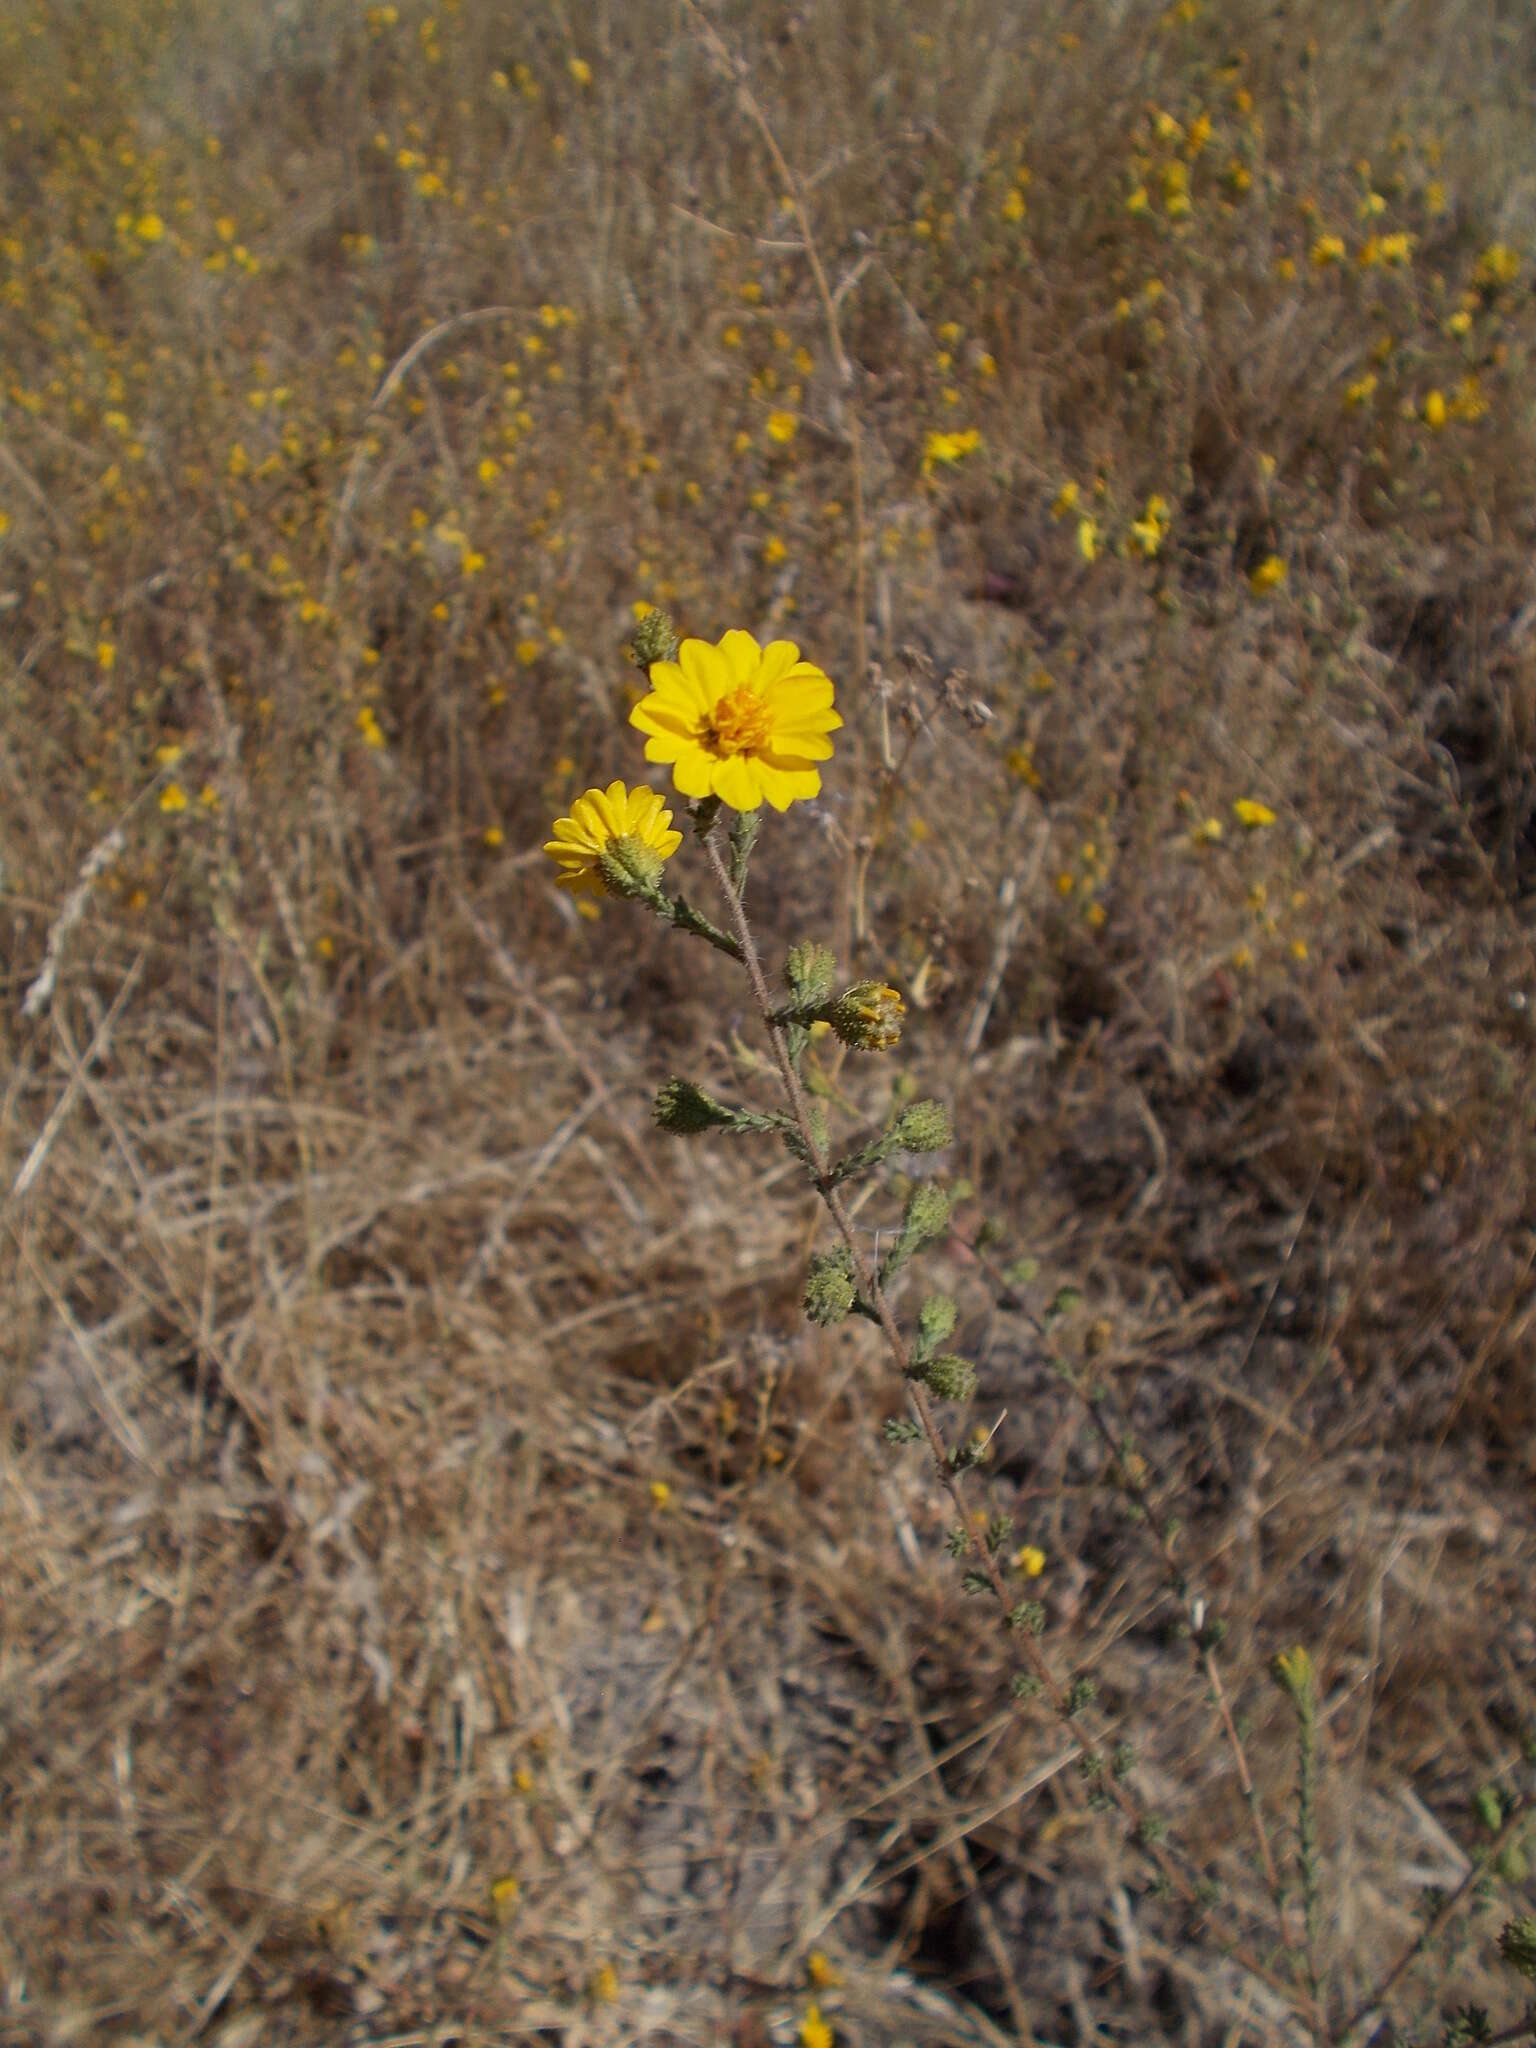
(597, 819)
(1250, 812)
(1266, 575)
(1361, 390)
(740, 722)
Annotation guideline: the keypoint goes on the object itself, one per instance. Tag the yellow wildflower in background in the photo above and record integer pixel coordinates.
(1249, 812)
(1030, 1561)
(1434, 409)
(949, 448)
(782, 426)
(814, 2031)
(600, 817)
(740, 722)
(1266, 576)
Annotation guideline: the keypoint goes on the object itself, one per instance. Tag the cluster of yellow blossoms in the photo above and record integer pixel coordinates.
(734, 721)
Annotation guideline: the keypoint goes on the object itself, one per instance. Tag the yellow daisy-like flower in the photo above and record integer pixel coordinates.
(599, 818)
(740, 722)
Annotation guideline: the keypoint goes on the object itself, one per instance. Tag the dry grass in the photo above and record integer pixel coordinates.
(354, 1312)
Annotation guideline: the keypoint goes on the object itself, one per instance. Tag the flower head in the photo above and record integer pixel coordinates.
(630, 826)
(740, 722)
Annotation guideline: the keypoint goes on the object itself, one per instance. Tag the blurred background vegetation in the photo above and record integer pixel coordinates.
(450, 1595)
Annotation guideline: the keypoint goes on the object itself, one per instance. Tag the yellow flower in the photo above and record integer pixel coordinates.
(661, 1493)
(596, 820)
(1434, 409)
(1014, 204)
(1030, 1561)
(1266, 575)
(1250, 812)
(782, 426)
(1361, 390)
(1088, 539)
(1498, 264)
(173, 797)
(580, 70)
(1327, 249)
(149, 227)
(774, 550)
(740, 722)
(821, 1970)
(949, 448)
(1063, 501)
(814, 2031)
(106, 654)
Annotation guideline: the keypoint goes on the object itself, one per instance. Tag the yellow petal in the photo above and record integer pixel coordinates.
(778, 658)
(674, 686)
(738, 782)
(668, 746)
(784, 785)
(691, 771)
(798, 747)
(742, 656)
(663, 720)
(706, 668)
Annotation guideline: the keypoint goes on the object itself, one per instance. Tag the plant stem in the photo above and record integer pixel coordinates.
(869, 1286)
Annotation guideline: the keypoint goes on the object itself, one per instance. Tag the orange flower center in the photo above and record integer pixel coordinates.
(739, 723)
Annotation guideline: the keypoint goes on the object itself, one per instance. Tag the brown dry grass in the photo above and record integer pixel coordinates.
(354, 1310)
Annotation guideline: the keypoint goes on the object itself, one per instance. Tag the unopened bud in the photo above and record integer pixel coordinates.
(1517, 1945)
(829, 1287)
(686, 1109)
(924, 1127)
(936, 1319)
(867, 1016)
(948, 1377)
(927, 1215)
(655, 639)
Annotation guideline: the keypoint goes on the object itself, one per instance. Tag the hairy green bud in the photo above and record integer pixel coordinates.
(686, 1109)
(1517, 1945)
(630, 867)
(867, 1016)
(809, 973)
(923, 1127)
(947, 1377)
(936, 1320)
(655, 640)
(830, 1292)
(927, 1214)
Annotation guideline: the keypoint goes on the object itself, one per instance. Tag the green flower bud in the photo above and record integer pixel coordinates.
(809, 973)
(829, 1287)
(686, 1109)
(630, 867)
(1517, 1945)
(948, 1377)
(936, 1320)
(655, 640)
(927, 1215)
(923, 1127)
(867, 1016)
